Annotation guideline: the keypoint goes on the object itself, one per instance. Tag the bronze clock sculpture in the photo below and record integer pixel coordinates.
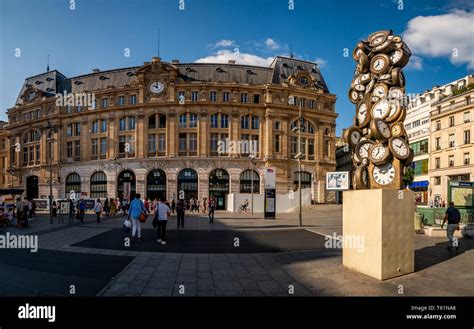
(378, 141)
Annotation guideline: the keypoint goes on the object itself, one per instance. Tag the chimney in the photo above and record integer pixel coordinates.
(95, 70)
(231, 61)
(175, 61)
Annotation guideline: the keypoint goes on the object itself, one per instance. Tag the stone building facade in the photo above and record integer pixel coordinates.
(159, 128)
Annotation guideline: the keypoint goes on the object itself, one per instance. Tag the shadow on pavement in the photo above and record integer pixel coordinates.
(432, 255)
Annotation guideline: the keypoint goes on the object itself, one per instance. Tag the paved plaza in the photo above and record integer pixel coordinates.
(239, 255)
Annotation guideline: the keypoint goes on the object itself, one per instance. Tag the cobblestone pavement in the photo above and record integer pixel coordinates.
(318, 272)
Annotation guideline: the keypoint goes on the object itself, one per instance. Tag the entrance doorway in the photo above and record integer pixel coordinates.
(32, 189)
(127, 185)
(219, 187)
(156, 184)
(188, 183)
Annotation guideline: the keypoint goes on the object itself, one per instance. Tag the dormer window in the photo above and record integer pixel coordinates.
(299, 68)
(77, 82)
(219, 70)
(49, 79)
(130, 74)
(38, 82)
(103, 77)
(303, 81)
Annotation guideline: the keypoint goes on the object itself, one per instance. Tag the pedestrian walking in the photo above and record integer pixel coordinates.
(106, 207)
(453, 217)
(135, 211)
(180, 209)
(163, 212)
(173, 206)
(113, 208)
(33, 209)
(82, 209)
(212, 207)
(98, 209)
(204, 205)
(55, 209)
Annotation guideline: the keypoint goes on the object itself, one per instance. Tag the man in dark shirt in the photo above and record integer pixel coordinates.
(453, 217)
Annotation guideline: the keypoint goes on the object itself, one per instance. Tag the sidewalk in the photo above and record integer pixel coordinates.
(297, 272)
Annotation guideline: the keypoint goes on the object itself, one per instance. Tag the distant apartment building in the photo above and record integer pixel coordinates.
(418, 125)
(452, 125)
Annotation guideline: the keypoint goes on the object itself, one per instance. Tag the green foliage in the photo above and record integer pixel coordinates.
(462, 90)
(408, 176)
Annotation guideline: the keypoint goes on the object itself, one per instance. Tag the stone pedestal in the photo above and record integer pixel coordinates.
(384, 220)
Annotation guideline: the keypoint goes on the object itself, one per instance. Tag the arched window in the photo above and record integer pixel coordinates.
(188, 184)
(305, 180)
(73, 183)
(307, 139)
(246, 181)
(99, 185)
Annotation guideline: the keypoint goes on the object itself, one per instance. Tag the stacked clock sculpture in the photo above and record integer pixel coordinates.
(378, 141)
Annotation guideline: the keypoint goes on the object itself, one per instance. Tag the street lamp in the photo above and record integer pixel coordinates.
(51, 131)
(252, 161)
(298, 156)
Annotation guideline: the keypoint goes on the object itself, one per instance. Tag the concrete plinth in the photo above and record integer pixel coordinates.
(383, 219)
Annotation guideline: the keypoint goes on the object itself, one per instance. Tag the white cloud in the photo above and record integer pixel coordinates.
(224, 55)
(448, 35)
(271, 44)
(322, 63)
(224, 43)
(415, 63)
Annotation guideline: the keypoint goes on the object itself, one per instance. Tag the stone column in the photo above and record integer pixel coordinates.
(172, 135)
(268, 136)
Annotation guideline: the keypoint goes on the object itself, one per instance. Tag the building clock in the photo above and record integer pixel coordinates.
(157, 87)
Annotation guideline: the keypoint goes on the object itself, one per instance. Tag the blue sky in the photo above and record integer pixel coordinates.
(96, 32)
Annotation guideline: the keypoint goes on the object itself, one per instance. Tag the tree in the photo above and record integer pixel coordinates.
(408, 177)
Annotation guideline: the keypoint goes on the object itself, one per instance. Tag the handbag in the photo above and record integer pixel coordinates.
(126, 225)
(142, 218)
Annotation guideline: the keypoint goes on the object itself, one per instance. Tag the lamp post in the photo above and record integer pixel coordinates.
(51, 131)
(252, 161)
(300, 127)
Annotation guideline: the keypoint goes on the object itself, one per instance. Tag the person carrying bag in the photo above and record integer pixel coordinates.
(137, 213)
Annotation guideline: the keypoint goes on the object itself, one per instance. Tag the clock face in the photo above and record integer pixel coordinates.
(380, 90)
(355, 137)
(397, 130)
(380, 64)
(378, 40)
(396, 56)
(380, 109)
(354, 96)
(363, 115)
(383, 128)
(399, 148)
(157, 87)
(384, 174)
(396, 93)
(362, 149)
(377, 152)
